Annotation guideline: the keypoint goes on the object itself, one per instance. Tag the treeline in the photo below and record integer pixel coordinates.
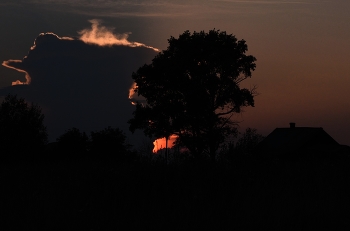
(108, 144)
(97, 181)
(23, 137)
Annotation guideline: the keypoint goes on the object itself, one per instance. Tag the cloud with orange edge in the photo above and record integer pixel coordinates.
(83, 84)
(104, 36)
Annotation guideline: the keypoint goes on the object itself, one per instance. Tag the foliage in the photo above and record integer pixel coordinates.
(109, 141)
(73, 141)
(22, 129)
(107, 144)
(248, 140)
(193, 88)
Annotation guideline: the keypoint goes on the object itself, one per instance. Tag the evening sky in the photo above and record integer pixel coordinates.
(301, 46)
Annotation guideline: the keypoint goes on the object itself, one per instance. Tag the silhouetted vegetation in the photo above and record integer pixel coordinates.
(108, 145)
(22, 131)
(73, 144)
(248, 140)
(110, 142)
(192, 89)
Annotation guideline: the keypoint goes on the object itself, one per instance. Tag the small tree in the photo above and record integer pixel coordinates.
(109, 143)
(22, 130)
(248, 140)
(74, 143)
(192, 89)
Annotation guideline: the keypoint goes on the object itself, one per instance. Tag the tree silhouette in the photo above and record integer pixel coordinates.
(248, 140)
(193, 88)
(73, 142)
(22, 131)
(109, 143)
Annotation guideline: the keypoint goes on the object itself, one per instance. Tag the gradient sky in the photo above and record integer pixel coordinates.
(302, 47)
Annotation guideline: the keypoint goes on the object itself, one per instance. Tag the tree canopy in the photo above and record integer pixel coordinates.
(107, 144)
(111, 142)
(73, 142)
(22, 130)
(192, 89)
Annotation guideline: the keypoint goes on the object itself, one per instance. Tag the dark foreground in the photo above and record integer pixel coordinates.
(244, 193)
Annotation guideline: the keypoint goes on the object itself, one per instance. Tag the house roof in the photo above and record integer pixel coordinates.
(296, 138)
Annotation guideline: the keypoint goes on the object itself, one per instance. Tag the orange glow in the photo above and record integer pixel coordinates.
(161, 143)
(17, 82)
(132, 93)
(134, 98)
(103, 36)
(44, 37)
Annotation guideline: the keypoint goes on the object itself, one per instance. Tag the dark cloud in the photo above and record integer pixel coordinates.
(79, 84)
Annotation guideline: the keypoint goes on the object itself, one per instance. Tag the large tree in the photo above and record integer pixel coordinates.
(192, 89)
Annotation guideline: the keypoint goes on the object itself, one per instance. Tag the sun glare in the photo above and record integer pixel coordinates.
(159, 144)
(132, 93)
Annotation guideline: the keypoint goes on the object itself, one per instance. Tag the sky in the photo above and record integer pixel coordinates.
(302, 50)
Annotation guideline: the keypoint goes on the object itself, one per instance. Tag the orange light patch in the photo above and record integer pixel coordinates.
(132, 93)
(159, 144)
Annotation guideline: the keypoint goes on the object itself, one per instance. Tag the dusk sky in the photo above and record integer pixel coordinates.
(302, 50)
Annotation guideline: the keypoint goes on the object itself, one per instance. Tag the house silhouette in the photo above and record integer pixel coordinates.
(300, 140)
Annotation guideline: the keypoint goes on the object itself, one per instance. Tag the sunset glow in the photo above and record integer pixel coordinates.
(17, 82)
(132, 93)
(159, 144)
(103, 36)
(44, 37)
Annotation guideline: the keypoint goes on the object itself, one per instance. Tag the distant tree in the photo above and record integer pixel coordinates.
(109, 143)
(73, 142)
(192, 89)
(22, 130)
(248, 140)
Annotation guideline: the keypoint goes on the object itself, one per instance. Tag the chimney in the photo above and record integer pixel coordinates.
(292, 125)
